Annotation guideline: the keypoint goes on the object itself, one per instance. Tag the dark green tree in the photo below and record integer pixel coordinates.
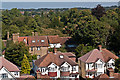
(15, 52)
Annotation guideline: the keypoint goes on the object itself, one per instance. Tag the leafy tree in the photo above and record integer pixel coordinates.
(99, 11)
(25, 65)
(15, 52)
(82, 49)
(117, 65)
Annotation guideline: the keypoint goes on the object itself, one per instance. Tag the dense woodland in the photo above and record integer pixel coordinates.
(88, 27)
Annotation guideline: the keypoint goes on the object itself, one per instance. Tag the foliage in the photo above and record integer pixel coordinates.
(83, 49)
(117, 65)
(15, 52)
(99, 11)
(25, 65)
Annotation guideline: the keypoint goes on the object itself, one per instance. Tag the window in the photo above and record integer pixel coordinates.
(99, 65)
(33, 41)
(61, 56)
(38, 48)
(52, 69)
(42, 41)
(31, 48)
(5, 75)
(24, 40)
(65, 69)
(42, 69)
(38, 40)
(74, 68)
(16, 73)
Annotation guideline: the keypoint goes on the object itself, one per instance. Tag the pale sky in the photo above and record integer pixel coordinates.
(60, 0)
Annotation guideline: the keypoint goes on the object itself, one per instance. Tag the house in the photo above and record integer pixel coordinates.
(54, 41)
(8, 70)
(70, 55)
(55, 65)
(115, 76)
(37, 44)
(96, 62)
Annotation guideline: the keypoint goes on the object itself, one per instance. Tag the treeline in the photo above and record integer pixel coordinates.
(88, 27)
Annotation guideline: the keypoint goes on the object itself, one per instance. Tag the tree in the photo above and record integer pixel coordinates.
(82, 49)
(99, 11)
(15, 52)
(117, 65)
(25, 65)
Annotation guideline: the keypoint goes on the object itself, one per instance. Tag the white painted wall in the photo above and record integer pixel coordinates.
(57, 69)
(5, 71)
(57, 45)
(110, 62)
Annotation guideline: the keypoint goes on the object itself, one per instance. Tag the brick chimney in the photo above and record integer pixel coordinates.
(36, 33)
(100, 48)
(55, 50)
(33, 34)
(8, 36)
(15, 37)
(110, 72)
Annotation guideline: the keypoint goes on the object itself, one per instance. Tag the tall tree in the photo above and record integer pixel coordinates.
(15, 52)
(99, 11)
(25, 65)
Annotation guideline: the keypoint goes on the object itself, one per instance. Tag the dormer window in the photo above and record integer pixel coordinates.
(42, 40)
(61, 56)
(38, 40)
(33, 41)
(24, 40)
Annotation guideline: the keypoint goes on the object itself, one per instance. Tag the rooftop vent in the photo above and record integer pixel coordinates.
(61, 56)
(42, 40)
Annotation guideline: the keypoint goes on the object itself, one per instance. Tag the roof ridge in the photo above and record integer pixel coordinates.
(90, 54)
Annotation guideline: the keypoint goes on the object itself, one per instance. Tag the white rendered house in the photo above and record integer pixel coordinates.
(56, 65)
(8, 70)
(96, 62)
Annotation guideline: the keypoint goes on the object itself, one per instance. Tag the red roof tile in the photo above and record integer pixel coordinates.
(107, 55)
(39, 41)
(53, 58)
(8, 65)
(54, 39)
(63, 40)
(92, 56)
(95, 54)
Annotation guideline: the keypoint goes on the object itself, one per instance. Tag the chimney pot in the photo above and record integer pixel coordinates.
(32, 33)
(100, 48)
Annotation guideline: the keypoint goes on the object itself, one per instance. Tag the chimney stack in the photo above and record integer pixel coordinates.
(36, 33)
(100, 48)
(15, 37)
(32, 33)
(7, 35)
(55, 50)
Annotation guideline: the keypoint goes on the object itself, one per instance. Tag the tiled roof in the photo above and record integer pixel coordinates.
(92, 56)
(54, 39)
(22, 39)
(95, 54)
(69, 54)
(108, 55)
(63, 40)
(53, 58)
(38, 41)
(8, 65)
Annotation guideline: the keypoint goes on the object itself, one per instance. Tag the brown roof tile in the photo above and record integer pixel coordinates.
(63, 40)
(92, 56)
(54, 39)
(95, 54)
(38, 41)
(53, 58)
(8, 65)
(107, 55)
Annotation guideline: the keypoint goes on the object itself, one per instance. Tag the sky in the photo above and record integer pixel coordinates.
(60, 0)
